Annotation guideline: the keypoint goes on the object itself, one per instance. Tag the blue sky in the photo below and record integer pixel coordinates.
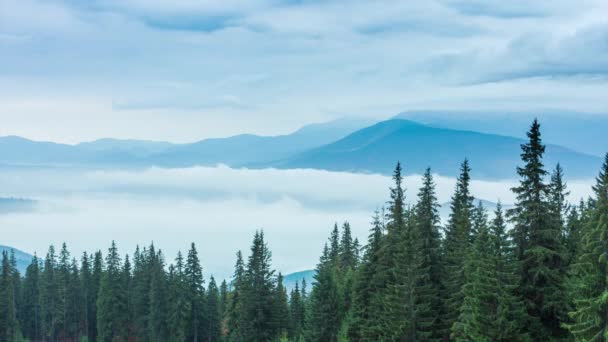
(181, 70)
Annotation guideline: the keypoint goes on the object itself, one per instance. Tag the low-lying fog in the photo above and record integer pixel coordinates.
(218, 208)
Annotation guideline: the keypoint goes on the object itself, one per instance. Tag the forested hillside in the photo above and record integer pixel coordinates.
(535, 272)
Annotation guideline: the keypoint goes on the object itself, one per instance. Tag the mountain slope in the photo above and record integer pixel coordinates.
(248, 149)
(234, 151)
(581, 132)
(23, 259)
(377, 148)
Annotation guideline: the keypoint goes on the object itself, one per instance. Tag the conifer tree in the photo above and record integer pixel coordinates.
(324, 319)
(158, 298)
(366, 288)
(296, 314)
(213, 312)
(9, 328)
(590, 271)
(236, 328)
(425, 323)
(111, 306)
(389, 307)
(194, 283)
(31, 322)
(539, 243)
(96, 277)
(458, 233)
(510, 313)
(86, 285)
(348, 252)
(477, 312)
(258, 291)
(281, 308)
(50, 297)
(178, 304)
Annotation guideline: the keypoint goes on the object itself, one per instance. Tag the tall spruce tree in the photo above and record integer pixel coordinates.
(213, 312)
(258, 293)
(590, 271)
(425, 324)
(296, 314)
(178, 301)
(9, 327)
(456, 246)
(194, 283)
(236, 327)
(31, 322)
(366, 287)
(111, 306)
(281, 309)
(50, 298)
(539, 244)
(324, 319)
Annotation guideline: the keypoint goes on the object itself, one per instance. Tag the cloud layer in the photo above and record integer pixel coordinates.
(217, 208)
(74, 70)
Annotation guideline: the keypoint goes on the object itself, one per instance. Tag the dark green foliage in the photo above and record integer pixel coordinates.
(281, 308)
(365, 289)
(257, 310)
(590, 270)
(9, 326)
(297, 314)
(195, 295)
(213, 312)
(324, 319)
(31, 324)
(458, 234)
(539, 244)
(111, 302)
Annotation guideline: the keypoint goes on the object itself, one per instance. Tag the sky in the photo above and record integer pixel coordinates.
(183, 70)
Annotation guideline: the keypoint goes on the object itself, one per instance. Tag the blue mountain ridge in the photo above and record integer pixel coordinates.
(376, 149)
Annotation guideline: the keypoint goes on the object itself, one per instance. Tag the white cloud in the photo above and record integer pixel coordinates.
(218, 208)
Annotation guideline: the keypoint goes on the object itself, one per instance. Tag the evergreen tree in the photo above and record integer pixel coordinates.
(194, 283)
(389, 307)
(324, 319)
(296, 314)
(9, 328)
(455, 248)
(590, 272)
(348, 250)
(213, 312)
(96, 277)
(258, 292)
(51, 307)
(281, 308)
(31, 321)
(111, 306)
(539, 244)
(425, 323)
(236, 329)
(510, 313)
(86, 285)
(223, 302)
(158, 298)
(366, 287)
(178, 301)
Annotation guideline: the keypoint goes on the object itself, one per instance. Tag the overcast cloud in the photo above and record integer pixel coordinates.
(183, 70)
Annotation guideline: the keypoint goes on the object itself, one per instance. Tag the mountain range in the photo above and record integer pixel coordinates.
(341, 145)
(23, 259)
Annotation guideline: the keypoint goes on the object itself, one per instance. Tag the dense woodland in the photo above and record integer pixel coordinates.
(537, 272)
